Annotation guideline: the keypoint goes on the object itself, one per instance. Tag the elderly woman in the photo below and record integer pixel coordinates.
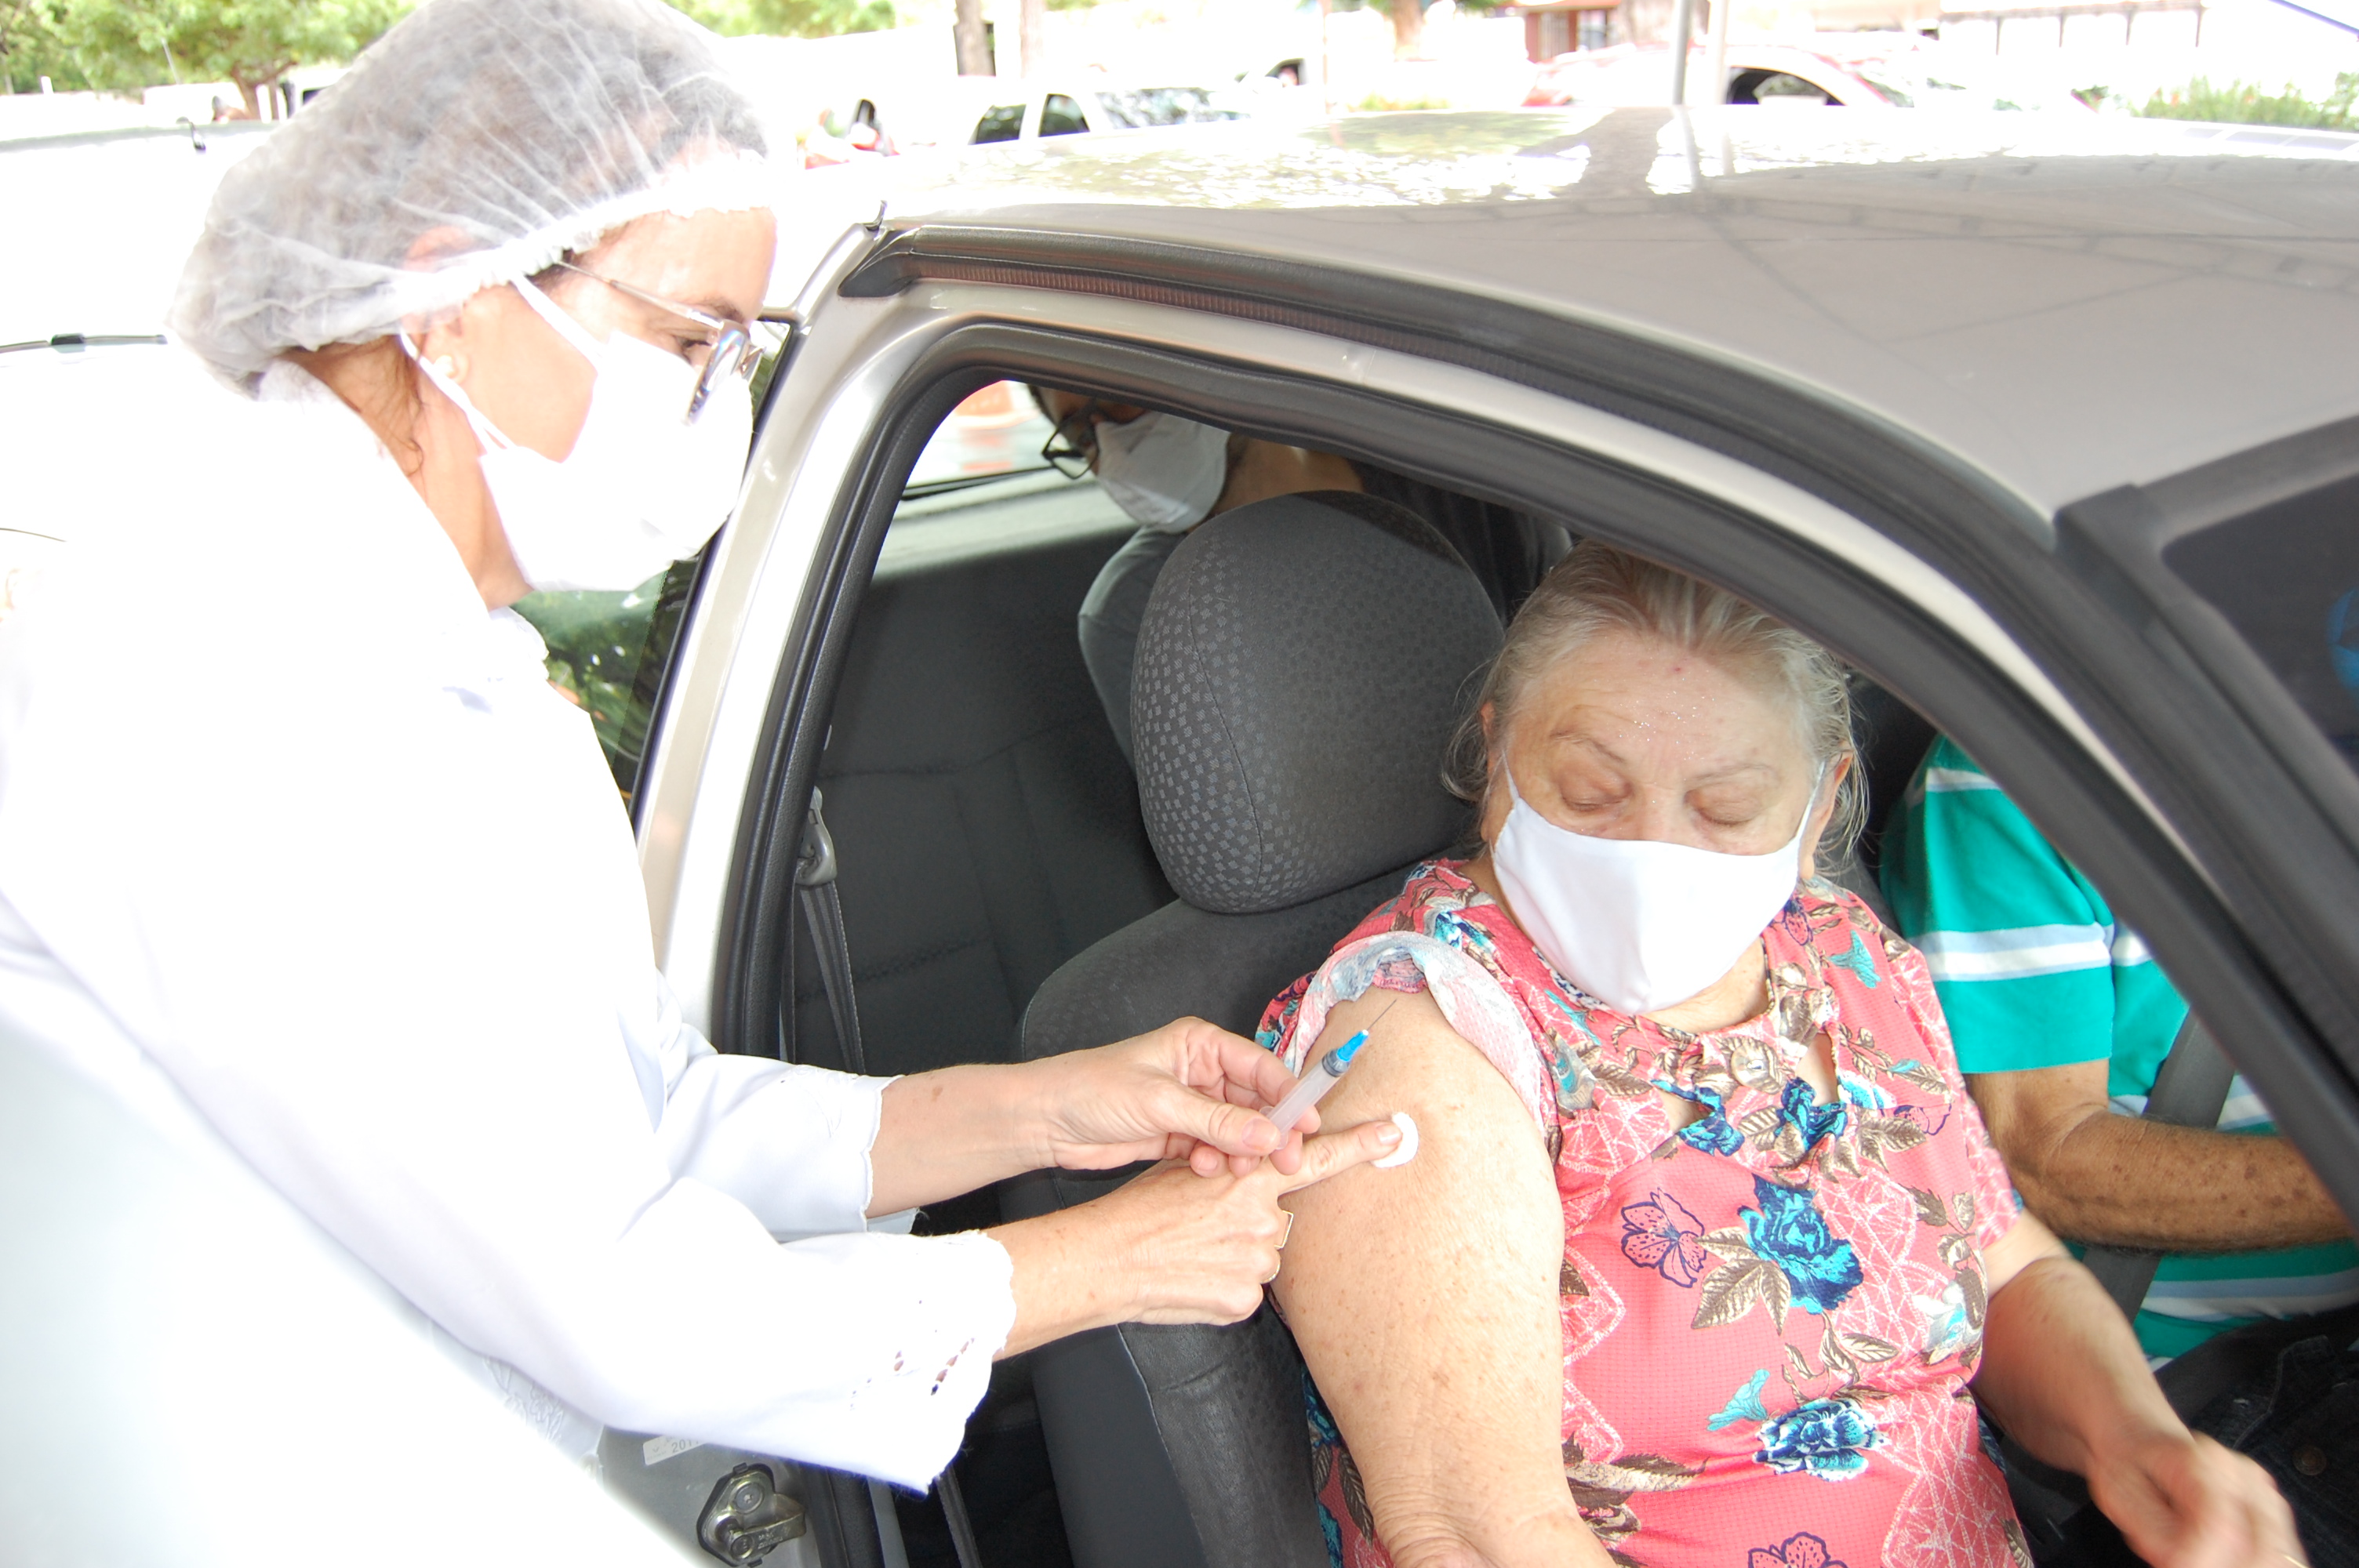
(1704, 1257)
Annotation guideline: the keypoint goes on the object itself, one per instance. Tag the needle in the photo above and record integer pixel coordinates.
(1314, 1084)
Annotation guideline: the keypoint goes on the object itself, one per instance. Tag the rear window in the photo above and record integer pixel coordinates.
(1004, 124)
(1061, 116)
(1137, 108)
(2287, 577)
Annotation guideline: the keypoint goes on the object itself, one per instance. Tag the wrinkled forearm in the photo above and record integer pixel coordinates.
(2122, 1180)
(2061, 1372)
(952, 1130)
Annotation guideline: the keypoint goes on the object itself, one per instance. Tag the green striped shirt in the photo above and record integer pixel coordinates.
(2033, 972)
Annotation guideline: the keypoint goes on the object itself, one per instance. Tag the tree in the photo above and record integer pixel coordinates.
(1408, 27)
(974, 42)
(791, 18)
(130, 43)
(2245, 103)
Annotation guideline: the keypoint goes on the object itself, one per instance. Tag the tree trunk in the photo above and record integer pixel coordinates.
(1035, 37)
(973, 43)
(1408, 29)
(250, 91)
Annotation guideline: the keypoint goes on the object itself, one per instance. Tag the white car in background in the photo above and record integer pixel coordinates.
(1860, 71)
(1068, 109)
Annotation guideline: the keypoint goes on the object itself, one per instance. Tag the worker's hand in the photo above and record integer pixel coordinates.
(1170, 1247)
(1189, 1091)
(1202, 1249)
(2183, 1501)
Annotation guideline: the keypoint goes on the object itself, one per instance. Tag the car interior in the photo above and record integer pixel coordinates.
(1002, 897)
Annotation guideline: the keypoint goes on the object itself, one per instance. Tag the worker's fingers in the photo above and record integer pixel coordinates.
(1228, 1129)
(1245, 1069)
(1335, 1151)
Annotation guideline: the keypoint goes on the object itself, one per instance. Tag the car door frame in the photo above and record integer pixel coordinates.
(1932, 577)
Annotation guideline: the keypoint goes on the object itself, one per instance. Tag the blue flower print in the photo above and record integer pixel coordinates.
(1800, 1107)
(1788, 1230)
(1743, 1405)
(1863, 1092)
(1948, 1329)
(1711, 1133)
(1804, 1550)
(1932, 1118)
(1860, 962)
(1660, 1234)
(1829, 1438)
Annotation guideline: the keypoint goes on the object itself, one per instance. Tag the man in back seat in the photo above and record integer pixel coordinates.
(2061, 1018)
(1170, 473)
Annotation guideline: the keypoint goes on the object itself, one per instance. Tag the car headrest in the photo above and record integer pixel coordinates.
(1301, 665)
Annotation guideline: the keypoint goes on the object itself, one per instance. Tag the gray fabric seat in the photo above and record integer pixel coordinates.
(1302, 664)
(985, 825)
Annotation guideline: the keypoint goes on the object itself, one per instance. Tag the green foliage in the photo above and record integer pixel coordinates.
(790, 19)
(1378, 103)
(2243, 104)
(123, 45)
(607, 652)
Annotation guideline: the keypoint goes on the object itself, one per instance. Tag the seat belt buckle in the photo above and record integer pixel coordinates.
(815, 861)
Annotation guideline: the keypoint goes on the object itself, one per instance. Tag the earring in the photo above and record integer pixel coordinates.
(446, 367)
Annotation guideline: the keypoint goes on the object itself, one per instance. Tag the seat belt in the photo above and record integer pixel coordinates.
(815, 872)
(2190, 1089)
(815, 868)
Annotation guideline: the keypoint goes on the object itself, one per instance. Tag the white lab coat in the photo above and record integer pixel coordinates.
(292, 833)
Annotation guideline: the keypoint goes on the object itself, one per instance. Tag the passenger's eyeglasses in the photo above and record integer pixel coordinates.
(733, 351)
(1073, 447)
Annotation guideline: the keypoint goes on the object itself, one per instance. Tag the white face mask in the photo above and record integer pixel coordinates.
(1164, 470)
(1639, 926)
(641, 488)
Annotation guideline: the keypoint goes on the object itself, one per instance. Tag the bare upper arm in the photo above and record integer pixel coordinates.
(1425, 1297)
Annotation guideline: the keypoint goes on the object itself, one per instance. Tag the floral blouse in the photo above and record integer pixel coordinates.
(1771, 1312)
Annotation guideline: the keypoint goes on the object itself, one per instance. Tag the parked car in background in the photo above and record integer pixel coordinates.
(1856, 71)
(1072, 108)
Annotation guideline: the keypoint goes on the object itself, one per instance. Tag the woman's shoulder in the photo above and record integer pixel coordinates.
(1841, 927)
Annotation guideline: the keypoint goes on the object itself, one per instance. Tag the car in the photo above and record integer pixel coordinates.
(1861, 70)
(2044, 425)
(1072, 108)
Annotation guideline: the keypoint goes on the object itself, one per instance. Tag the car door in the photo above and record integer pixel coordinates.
(2068, 673)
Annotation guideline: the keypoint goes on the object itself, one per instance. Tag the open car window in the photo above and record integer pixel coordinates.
(981, 487)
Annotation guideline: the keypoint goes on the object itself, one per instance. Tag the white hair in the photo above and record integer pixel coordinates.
(1600, 588)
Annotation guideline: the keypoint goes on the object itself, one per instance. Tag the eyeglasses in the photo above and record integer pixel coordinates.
(1073, 447)
(733, 351)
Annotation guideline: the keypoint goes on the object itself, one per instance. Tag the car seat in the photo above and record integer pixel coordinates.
(1302, 665)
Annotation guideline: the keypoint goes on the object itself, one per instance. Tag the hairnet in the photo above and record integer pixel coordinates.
(501, 133)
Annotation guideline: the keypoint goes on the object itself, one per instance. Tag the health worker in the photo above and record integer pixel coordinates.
(299, 847)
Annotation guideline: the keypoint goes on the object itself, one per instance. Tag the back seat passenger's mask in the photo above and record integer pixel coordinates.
(1164, 470)
(1638, 925)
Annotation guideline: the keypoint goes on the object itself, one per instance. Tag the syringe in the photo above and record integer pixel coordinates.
(1317, 1080)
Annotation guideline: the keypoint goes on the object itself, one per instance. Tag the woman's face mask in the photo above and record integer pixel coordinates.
(1164, 470)
(1638, 925)
(1676, 817)
(641, 488)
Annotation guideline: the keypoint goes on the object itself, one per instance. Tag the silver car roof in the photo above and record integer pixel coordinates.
(2068, 302)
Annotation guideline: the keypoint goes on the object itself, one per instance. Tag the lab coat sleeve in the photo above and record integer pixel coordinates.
(791, 1143)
